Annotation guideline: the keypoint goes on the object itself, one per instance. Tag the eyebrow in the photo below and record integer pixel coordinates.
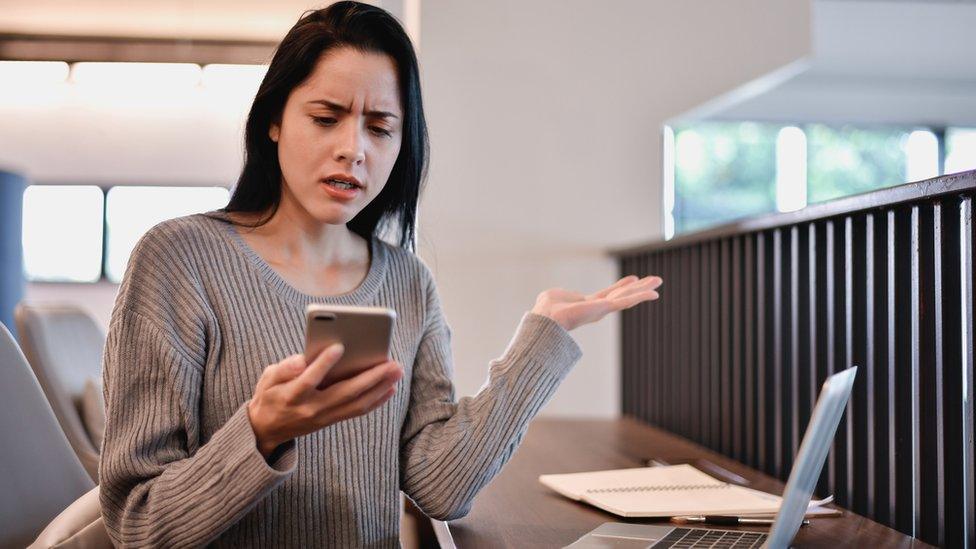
(340, 108)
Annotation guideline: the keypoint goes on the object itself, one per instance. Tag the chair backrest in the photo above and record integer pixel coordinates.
(63, 345)
(40, 475)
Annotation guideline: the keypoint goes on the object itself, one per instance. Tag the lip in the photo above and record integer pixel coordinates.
(340, 194)
(345, 177)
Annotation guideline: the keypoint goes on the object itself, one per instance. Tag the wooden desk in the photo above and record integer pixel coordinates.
(515, 510)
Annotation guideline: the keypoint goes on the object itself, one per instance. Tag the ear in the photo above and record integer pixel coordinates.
(274, 131)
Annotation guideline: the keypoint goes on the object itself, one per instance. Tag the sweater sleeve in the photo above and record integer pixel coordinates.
(161, 486)
(451, 449)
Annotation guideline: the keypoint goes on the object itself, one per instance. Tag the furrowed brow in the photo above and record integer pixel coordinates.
(340, 108)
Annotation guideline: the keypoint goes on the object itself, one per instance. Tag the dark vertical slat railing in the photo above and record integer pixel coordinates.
(737, 295)
(762, 356)
(682, 382)
(625, 341)
(882, 389)
(891, 366)
(715, 343)
(832, 321)
(704, 410)
(842, 357)
(778, 340)
(951, 321)
(930, 466)
(915, 358)
(647, 375)
(725, 365)
(967, 431)
(904, 296)
(824, 329)
(864, 452)
(754, 316)
(794, 359)
(694, 305)
(751, 337)
(857, 354)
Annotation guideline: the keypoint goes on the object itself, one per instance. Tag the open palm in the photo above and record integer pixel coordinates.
(572, 309)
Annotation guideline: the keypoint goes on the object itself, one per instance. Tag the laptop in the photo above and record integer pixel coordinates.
(820, 431)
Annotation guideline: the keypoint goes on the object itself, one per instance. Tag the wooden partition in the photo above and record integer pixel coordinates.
(754, 315)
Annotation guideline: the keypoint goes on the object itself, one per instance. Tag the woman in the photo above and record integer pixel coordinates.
(212, 437)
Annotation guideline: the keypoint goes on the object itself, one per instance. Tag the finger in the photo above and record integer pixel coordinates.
(368, 401)
(656, 281)
(283, 371)
(622, 282)
(348, 389)
(320, 366)
(646, 283)
(629, 301)
(595, 309)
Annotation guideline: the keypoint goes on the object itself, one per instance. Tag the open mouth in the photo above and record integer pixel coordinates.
(340, 184)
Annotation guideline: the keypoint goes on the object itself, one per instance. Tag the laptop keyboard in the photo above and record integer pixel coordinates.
(700, 537)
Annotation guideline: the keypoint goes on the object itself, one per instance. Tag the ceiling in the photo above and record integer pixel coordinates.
(909, 62)
(191, 31)
(876, 62)
(257, 20)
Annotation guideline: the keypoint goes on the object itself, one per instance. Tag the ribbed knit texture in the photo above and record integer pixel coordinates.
(199, 316)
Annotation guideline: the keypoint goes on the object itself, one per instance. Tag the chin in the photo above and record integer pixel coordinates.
(333, 213)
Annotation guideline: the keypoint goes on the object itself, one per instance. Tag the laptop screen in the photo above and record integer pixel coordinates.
(809, 461)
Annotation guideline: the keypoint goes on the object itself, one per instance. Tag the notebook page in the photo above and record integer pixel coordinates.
(723, 499)
(576, 485)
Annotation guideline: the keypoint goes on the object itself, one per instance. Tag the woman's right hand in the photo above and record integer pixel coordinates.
(288, 404)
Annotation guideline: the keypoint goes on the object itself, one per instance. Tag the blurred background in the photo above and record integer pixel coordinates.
(559, 130)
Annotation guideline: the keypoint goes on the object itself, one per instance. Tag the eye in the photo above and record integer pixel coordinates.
(324, 120)
(380, 131)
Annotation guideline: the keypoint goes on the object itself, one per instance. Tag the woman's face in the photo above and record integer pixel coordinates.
(344, 121)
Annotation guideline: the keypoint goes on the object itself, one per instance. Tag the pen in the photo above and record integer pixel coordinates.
(725, 520)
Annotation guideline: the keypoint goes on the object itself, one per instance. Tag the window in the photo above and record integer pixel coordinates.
(723, 171)
(62, 233)
(849, 160)
(65, 226)
(131, 211)
(715, 172)
(960, 150)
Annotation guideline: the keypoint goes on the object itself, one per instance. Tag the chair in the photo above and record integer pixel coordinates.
(40, 475)
(63, 345)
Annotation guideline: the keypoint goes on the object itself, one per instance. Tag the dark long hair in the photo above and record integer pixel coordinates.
(368, 29)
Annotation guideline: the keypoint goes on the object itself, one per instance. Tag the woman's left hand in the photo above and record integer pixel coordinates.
(573, 309)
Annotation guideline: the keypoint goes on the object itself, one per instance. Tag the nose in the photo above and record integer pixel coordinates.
(351, 146)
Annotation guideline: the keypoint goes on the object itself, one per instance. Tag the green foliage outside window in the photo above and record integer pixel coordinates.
(727, 170)
(848, 160)
(723, 171)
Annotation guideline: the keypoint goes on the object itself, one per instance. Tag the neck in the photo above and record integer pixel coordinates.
(300, 239)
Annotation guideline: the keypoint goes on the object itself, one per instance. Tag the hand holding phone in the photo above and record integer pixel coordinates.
(287, 402)
(365, 332)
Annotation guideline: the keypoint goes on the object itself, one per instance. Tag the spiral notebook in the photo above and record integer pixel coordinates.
(666, 491)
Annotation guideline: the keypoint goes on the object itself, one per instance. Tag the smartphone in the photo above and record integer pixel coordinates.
(365, 332)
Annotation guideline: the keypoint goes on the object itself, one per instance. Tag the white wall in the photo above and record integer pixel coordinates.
(545, 120)
(545, 125)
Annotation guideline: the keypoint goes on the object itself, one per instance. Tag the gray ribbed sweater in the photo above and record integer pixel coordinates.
(198, 317)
